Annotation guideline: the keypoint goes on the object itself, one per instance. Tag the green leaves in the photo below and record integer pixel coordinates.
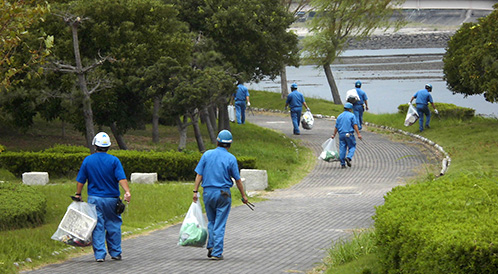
(470, 63)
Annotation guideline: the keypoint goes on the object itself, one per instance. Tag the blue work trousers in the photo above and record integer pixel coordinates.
(240, 111)
(296, 117)
(358, 113)
(347, 145)
(421, 110)
(217, 202)
(108, 229)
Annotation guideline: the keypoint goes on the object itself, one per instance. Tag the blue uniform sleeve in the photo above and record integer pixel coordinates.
(119, 171)
(234, 170)
(82, 176)
(199, 169)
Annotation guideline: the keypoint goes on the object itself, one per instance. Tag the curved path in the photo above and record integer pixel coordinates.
(292, 230)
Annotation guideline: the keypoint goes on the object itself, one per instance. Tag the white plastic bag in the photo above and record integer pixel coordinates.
(77, 224)
(194, 227)
(307, 120)
(352, 96)
(330, 152)
(411, 116)
(231, 113)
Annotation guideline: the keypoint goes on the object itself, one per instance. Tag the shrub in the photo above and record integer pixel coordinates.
(443, 226)
(170, 165)
(21, 206)
(446, 110)
(61, 148)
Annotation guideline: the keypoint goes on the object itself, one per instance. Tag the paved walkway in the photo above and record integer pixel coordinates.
(291, 231)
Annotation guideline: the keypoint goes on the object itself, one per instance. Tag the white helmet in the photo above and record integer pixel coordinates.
(101, 140)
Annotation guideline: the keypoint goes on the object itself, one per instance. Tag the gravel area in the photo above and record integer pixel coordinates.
(404, 41)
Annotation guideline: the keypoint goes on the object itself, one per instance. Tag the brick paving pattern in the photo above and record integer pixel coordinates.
(292, 230)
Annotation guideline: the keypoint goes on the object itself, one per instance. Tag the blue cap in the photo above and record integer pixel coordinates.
(358, 84)
(348, 105)
(294, 85)
(224, 137)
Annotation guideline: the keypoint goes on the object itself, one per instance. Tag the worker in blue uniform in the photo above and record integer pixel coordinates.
(423, 98)
(296, 102)
(361, 105)
(215, 170)
(240, 98)
(346, 125)
(104, 174)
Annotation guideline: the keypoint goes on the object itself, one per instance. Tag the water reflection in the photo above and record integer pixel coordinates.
(386, 88)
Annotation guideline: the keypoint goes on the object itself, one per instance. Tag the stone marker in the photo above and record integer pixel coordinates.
(143, 178)
(255, 179)
(35, 178)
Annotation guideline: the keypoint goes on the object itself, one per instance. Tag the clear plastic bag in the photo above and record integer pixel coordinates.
(194, 227)
(330, 152)
(231, 113)
(77, 224)
(307, 120)
(411, 116)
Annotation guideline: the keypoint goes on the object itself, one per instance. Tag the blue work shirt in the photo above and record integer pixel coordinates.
(295, 99)
(423, 97)
(103, 172)
(362, 95)
(217, 167)
(345, 122)
(242, 93)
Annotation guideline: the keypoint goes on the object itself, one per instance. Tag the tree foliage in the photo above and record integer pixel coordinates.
(337, 21)
(16, 55)
(471, 60)
(252, 35)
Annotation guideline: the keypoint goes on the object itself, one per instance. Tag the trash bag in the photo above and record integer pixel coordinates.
(411, 116)
(231, 113)
(77, 224)
(330, 152)
(352, 96)
(307, 120)
(194, 227)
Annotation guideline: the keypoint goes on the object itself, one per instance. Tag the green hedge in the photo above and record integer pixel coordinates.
(21, 206)
(446, 110)
(168, 165)
(444, 226)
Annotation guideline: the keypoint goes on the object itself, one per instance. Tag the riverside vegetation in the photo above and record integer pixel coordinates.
(469, 186)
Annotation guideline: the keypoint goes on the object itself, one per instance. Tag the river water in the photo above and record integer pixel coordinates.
(385, 88)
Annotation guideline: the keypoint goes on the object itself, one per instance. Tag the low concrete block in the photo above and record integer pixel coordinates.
(143, 178)
(35, 178)
(255, 179)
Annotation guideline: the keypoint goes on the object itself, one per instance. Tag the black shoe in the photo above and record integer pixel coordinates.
(427, 127)
(216, 258)
(209, 252)
(343, 166)
(117, 258)
(100, 260)
(348, 162)
(297, 133)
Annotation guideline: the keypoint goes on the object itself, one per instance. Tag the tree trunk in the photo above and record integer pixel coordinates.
(197, 132)
(182, 129)
(283, 83)
(118, 136)
(212, 115)
(63, 128)
(155, 118)
(333, 87)
(223, 121)
(205, 117)
(87, 102)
